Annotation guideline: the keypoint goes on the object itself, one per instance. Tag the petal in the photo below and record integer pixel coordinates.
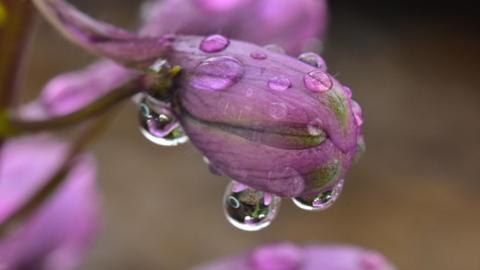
(101, 38)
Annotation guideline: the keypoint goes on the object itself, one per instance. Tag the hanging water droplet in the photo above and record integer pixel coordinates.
(274, 48)
(258, 55)
(159, 125)
(321, 201)
(214, 43)
(278, 110)
(279, 83)
(249, 209)
(313, 60)
(217, 74)
(318, 81)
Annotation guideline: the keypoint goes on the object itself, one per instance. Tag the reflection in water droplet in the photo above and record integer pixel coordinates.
(217, 73)
(318, 81)
(249, 209)
(258, 55)
(313, 60)
(278, 110)
(274, 48)
(214, 43)
(159, 125)
(279, 83)
(322, 201)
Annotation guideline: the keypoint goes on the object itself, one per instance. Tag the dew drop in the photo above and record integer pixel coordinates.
(278, 110)
(313, 60)
(274, 48)
(159, 125)
(258, 55)
(318, 81)
(249, 209)
(279, 83)
(214, 43)
(217, 74)
(321, 201)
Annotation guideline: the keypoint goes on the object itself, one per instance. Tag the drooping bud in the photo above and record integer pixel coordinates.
(59, 233)
(285, 256)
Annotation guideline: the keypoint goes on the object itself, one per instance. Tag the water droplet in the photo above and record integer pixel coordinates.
(249, 209)
(318, 81)
(159, 125)
(217, 73)
(357, 113)
(279, 83)
(274, 48)
(315, 127)
(258, 55)
(313, 60)
(214, 43)
(321, 201)
(278, 110)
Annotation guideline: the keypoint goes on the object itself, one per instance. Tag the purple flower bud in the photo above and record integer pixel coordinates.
(57, 236)
(275, 124)
(287, 256)
(290, 24)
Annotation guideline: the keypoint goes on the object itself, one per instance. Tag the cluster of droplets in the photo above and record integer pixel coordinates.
(158, 123)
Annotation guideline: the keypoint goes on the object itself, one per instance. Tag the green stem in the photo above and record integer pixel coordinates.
(15, 21)
(11, 126)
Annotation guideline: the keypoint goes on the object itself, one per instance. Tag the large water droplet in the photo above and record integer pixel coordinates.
(214, 43)
(278, 110)
(318, 81)
(258, 55)
(321, 201)
(249, 209)
(217, 73)
(313, 60)
(279, 83)
(274, 48)
(159, 125)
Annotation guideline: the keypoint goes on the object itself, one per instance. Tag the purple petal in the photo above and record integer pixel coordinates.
(60, 233)
(277, 139)
(287, 256)
(101, 38)
(70, 91)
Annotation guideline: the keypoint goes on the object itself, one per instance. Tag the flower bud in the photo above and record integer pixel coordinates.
(285, 256)
(273, 122)
(58, 234)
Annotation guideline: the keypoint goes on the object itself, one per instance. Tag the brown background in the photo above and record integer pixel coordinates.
(414, 196)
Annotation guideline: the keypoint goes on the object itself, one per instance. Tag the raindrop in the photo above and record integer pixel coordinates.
(313, 60)
(249, 209)
(159, 125)
(318, 81)
(321, 201)
(214, 43)
(217, 74)
(278, 110)
(258, 55)
(279, 83)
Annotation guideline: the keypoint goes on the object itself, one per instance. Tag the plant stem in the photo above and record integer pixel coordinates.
(15, 21)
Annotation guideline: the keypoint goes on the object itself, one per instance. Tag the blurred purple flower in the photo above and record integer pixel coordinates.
(265, 119)
(291, 24)
(57, 236)
(285, 256)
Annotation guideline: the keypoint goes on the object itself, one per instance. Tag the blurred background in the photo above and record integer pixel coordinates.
(414, 196)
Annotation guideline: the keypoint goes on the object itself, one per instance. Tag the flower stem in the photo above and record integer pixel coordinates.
(11, 126)
(15, 21)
